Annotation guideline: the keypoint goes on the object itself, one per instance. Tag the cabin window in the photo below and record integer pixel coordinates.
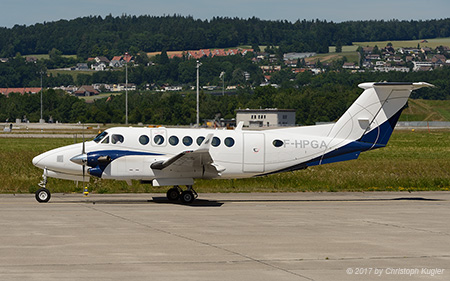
(144, 139)
(215, 141)
(277, 143)
(187, 141)
(116, 139)
(100, 136)
(158, 139)
(173, 140)
(229, 142)
(200, 140)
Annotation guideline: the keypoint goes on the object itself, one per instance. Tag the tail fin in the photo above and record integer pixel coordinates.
(373, 116)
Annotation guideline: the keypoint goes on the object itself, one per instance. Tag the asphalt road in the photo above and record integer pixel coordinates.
(279, 236)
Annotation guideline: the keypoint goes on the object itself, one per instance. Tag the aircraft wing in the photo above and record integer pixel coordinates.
(199, 160)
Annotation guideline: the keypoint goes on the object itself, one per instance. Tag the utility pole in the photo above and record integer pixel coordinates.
(198, 95)
(126, 89)
(41, 72)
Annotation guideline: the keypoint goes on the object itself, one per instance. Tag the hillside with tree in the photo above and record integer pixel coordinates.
(109, 36)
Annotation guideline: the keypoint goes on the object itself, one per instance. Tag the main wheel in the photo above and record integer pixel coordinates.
(43, 195)
(173, 194)
(187, 197)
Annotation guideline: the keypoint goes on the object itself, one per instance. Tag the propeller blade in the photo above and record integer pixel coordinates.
(83, 152)
(84, 146)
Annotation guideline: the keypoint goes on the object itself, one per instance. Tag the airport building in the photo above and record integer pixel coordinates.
(269, 117)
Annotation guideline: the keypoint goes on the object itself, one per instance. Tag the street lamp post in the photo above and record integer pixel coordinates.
(198, 98)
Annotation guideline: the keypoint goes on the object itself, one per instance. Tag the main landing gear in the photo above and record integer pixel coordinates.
(187, 196)
(43, 195)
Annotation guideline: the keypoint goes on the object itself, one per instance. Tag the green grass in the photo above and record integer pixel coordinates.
(73, 73)
(427, 110)
(412, 161)
(432, 43)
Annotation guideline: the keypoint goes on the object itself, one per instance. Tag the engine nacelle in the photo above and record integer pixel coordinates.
(96, 172)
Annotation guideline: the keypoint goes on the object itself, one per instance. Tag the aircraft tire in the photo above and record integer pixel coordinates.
(187, 197)
(173, 194)
(43, 195)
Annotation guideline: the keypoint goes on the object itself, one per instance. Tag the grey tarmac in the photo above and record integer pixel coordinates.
(263, 236)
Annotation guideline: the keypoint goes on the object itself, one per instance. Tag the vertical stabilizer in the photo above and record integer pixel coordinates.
(372, 117)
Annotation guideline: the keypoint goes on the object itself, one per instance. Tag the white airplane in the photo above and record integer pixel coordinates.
(175, 157)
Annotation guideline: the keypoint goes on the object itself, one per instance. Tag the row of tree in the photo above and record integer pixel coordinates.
(96, 36)
(317, 98)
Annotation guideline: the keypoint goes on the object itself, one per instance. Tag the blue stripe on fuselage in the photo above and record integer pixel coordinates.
(385, 130)
(98, 168)
(114, 154)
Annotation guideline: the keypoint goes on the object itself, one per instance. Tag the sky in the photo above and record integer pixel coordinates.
(26, 12)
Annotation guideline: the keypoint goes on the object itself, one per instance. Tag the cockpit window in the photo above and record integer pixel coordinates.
(117, 139)
(106, 140)
(100, 136)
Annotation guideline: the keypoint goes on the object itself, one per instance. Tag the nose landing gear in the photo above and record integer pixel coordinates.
(43, 195)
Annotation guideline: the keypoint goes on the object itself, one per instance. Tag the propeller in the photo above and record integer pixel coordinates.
(81, 159)
(83, 152)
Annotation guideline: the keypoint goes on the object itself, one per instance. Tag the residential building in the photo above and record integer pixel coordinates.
(86, 91)
(350, 65)
(7, 91)
(116, 61)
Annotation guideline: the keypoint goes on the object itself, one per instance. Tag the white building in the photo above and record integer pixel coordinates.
(269, 117)
(420, 64)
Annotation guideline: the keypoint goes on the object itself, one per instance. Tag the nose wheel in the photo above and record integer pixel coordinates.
(186, 197)
(43, 195)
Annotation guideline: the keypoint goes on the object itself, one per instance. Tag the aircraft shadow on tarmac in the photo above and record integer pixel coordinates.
(157, 200)
(215, 203)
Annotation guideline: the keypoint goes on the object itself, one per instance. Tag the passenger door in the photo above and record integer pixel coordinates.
(254, 154)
